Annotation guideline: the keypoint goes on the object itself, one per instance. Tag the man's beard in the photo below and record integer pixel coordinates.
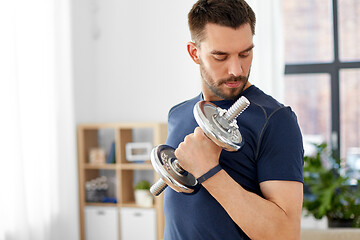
(215, 86)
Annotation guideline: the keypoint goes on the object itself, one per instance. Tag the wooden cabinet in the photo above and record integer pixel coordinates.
(101, 223)
(120, 173)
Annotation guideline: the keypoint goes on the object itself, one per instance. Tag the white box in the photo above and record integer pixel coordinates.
(138, 223)
(138, 151)
(101, 223)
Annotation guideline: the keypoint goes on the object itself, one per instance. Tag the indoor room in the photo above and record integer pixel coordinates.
(100, 140)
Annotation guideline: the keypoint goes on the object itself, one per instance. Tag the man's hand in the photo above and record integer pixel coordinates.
(197, 154)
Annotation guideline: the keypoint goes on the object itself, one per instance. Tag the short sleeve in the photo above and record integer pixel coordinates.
(281, 155)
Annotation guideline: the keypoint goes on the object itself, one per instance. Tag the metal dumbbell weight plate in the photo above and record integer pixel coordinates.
(224, 133)
(165, 164)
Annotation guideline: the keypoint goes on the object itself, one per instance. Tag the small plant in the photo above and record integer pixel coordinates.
(327, 192)
(143, 185)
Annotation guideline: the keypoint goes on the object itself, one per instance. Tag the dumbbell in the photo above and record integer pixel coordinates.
(218, 124)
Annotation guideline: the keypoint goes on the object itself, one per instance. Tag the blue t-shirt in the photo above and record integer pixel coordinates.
(272, 150)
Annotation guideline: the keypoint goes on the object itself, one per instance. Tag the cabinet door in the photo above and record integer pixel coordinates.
(101, 223)
(138, 223)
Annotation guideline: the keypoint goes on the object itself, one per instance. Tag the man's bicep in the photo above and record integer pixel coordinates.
(288, 195)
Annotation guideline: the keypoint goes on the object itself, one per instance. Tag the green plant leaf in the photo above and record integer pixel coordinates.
(142, 185)
(328, 193)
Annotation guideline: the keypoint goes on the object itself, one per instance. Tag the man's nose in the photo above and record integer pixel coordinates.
(235, 67)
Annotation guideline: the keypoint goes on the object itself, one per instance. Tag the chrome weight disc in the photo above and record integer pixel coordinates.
(225, 134)
(164, 162)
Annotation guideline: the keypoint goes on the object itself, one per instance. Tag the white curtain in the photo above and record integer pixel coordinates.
(37, 138)
(268, 65)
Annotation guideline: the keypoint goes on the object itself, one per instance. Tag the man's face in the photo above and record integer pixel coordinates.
(225, 57)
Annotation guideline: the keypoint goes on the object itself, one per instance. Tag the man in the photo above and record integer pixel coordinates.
(257, 191)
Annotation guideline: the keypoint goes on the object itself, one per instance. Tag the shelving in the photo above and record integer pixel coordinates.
(121, 173)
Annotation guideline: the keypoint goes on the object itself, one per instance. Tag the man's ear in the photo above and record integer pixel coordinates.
(193, 52)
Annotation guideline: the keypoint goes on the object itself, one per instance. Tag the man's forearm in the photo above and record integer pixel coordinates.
(259, 218)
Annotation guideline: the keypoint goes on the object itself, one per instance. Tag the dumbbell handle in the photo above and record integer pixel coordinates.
(158, 187)
(237, 108)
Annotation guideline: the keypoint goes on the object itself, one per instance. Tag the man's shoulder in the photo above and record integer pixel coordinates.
(181, 121)
(267, 103)
(184, 106)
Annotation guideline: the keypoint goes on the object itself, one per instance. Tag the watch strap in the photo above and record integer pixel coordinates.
(209, 174)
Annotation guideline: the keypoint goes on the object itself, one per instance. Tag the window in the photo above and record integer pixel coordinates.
(322, 71)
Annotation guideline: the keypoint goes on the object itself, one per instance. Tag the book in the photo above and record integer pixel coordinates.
(111, 156)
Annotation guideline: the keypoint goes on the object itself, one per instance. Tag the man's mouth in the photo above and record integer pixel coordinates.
(233, 84)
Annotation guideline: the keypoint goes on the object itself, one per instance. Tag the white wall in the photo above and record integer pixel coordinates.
(130, 59)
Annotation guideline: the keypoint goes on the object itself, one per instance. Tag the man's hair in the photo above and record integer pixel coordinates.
(228, 13)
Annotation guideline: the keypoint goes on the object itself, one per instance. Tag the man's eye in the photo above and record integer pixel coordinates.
(220, 59)
(245, 54)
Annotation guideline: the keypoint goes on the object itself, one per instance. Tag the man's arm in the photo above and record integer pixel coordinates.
(275, 217)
